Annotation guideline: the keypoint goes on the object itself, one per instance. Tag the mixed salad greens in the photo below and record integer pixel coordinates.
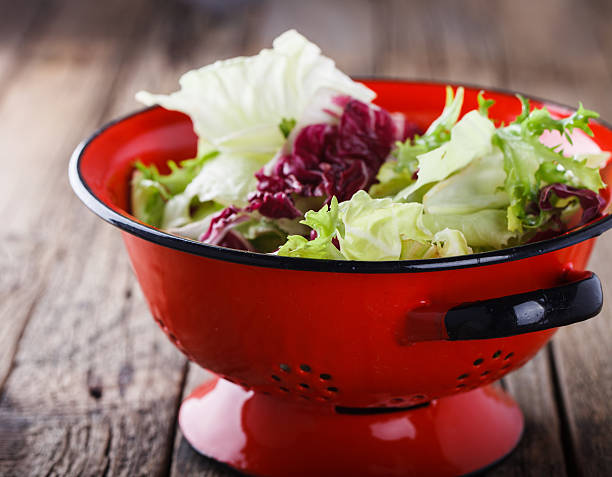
(295, 159)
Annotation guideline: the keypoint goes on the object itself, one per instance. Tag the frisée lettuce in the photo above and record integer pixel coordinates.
(295, 159)
(364, 228)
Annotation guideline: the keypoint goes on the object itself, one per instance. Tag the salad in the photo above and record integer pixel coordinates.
(295, 159)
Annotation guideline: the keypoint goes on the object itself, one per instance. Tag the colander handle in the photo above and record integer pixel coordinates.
(526, 312)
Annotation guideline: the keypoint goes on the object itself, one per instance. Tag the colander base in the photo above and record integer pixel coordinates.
(266, 436)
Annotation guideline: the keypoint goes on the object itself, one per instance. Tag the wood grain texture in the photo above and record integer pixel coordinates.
(582, 356)
(94, 386)
(89, 385)
(53, 83)
(444, 40)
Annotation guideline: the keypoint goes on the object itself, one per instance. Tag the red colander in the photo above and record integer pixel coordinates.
(341, 367)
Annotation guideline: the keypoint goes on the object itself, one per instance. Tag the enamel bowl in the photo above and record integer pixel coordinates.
(341, 367)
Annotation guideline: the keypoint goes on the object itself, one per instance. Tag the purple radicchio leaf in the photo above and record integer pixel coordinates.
(326, 160)
(275, 205)
(333, 159)
(220, 229)
(592, 203)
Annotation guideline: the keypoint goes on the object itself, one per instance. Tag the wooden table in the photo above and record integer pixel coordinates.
(89, 385)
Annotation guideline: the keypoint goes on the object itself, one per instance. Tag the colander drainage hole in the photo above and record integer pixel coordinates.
(305, 368)
(478, 362)
(463, 376)
(332, 389)
(508, 356)
(304, 385)
(497, 354)
(325, 376)
(283, 389)
(484, 373)
(275, 377)
(285, 367)
(460, 385)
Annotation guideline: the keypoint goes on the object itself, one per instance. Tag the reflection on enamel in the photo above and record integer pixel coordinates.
(394, 429)
(581, 143)
(199, 421)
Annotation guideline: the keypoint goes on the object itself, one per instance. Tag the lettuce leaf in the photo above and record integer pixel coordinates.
(237, 105)
(373, 229)
(448, 243)
(150, 190)
(226, 179)
(439, 129)
(476, 187)
(148, 199)
(246, 108)
(485, 229)
(325, 222)
(470, 139)
(530, 165)
(396, 174)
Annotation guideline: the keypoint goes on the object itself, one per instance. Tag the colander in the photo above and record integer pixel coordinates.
(341, 367)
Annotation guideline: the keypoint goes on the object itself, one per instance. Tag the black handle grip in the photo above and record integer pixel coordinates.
(532, 311)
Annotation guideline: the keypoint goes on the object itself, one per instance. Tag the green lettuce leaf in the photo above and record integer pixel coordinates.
(470, 139)
(530, 165)
(375, 228)
(245, 108)
(398, 173)
(448, 243)
(485, 229)
(148, 199)
(226, 179)
(150, 190)
(200, 215)
(478, 186)
(237, 105)
(263, 234)
(325, 222)
(440, 128)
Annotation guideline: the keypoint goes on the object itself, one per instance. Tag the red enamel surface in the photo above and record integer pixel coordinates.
(263, 436)
(314, 340)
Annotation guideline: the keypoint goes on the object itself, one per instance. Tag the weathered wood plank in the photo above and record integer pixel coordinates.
(94, 386)
(540, 451)
(344, 29)
(462, 42)
(580, 351)
(41, 123)
(17, 23)
(582, 355)
(547, 56)
(354, 53)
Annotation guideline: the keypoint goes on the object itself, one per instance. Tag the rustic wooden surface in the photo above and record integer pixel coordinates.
(88, 384)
